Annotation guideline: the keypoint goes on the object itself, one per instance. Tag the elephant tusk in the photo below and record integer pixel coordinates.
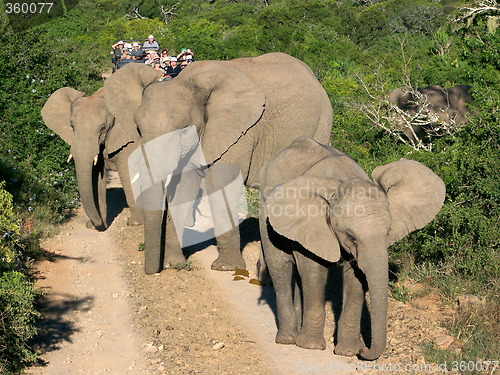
(95, 159)
(168, 179)
(69, 158)
(136, 177)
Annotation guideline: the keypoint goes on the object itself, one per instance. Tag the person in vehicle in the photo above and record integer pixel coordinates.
(151, 58)
(136, 52)
(117, 50)
(186, 54)
(151, 44)
(164, 57)
(165, 63)
(126, 55)
(173, 70)
(157, 66)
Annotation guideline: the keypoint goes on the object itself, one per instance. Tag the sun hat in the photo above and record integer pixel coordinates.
(151, 37)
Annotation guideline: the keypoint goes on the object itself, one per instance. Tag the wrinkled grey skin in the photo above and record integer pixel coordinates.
(90, 129)
(450, 104)
(245, 110)
(322, 208)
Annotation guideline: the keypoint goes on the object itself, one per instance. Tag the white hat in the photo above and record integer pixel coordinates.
(151, 37)
(128, 45)
(173, 58)
(136, 44)
(120, 42)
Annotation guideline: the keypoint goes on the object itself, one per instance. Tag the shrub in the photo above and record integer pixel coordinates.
(17, 316)
(9, 230)
(17, 293)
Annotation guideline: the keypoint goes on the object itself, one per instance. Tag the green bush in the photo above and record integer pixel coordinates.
(17, 319)
(9, 230)
(17, 293)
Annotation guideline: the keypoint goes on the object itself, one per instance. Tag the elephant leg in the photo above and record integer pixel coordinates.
(224, 203)
(182, 192)
(313, 277)
(281, 267)
(121, 161)
(173, 256)
(349, 326)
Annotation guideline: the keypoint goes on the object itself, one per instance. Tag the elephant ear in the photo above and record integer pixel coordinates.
(403, 99)
(298, 210)
(120, 135)
(56, 112)
(233, 104)
(396, 95)
(459, 97)
(123, 95)
(415, 195)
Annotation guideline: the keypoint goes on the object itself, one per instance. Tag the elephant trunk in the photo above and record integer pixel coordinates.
(377, 279)
(153, 222)
(87, 175)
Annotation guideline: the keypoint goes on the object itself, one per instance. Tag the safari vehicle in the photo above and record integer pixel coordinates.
(118, 63)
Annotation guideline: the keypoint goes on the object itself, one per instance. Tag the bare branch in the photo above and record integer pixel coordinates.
(365, 87)
(134, 14)
(478, 8)
(167, 14)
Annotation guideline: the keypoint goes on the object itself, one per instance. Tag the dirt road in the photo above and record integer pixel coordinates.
(103, 315)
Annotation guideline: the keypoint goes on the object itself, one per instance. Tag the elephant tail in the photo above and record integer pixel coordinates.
(262, 271)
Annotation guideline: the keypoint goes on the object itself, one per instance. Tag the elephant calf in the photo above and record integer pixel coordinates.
(322, 208)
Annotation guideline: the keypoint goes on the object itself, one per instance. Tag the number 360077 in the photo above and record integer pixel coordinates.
(27, 8)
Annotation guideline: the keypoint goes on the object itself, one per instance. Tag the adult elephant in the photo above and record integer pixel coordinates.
(244, 111)
(430, 108)
(323, 208)
(97, 143)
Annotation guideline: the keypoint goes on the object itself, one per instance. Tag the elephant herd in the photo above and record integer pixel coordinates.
(266, 121)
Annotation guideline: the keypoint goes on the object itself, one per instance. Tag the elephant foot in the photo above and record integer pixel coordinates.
(229, 263)
(135, 221)
(91, 225)
(286, 337)
(308, 341)
(176, 262)
(348, 348)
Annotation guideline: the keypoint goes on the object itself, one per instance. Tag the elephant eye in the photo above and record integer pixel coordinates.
(352, 239)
